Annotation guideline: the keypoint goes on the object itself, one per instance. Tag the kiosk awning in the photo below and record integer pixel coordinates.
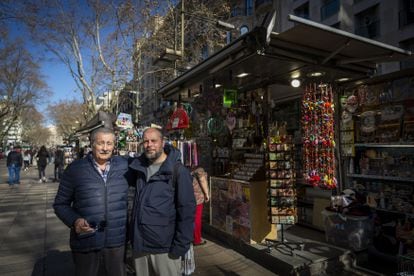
(101, 119)
(270, 58)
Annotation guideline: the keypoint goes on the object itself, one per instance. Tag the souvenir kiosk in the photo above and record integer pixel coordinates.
(377, 146)
(272, 144)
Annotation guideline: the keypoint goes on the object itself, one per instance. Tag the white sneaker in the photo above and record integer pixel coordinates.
(44, 179)
(40, 181)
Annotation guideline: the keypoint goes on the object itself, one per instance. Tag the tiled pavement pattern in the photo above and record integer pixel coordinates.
(34, 242)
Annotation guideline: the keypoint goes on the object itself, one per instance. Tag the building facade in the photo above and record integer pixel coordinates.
(391, 22)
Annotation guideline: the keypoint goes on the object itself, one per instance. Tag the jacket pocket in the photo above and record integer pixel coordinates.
(157, 231)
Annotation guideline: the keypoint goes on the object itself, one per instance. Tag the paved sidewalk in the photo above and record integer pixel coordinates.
(33, 241)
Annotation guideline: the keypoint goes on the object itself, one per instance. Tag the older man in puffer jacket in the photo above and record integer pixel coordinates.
(92, 201)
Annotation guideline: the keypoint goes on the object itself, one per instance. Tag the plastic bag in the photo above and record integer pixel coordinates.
(188, 262)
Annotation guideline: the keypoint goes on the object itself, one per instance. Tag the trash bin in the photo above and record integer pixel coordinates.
(354, 232)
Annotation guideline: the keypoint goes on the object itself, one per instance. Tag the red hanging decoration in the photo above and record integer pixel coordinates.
(318, 136)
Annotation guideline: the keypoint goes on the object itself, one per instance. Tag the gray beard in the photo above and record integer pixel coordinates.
(152, 157)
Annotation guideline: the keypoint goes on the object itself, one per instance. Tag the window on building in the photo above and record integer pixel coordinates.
(302, 11)
(406, 13)
(236, 11)
(249, 7)
(228, 38)
(204, 52)
(329, 8)
(367, 22)
(244, 29)
(407, 45)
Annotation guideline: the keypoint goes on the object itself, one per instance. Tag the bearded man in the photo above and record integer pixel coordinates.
(162, 218)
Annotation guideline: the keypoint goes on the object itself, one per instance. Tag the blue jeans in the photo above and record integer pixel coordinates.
(14, 174)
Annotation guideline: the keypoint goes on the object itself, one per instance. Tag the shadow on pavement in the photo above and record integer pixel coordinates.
(55, 263)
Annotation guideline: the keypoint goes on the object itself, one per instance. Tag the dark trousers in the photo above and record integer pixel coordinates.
(110, 259)
(58, 171)
(42, 172)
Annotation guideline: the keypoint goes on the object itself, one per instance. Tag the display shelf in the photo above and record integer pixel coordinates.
(393, 211)
(380, 177)
(378, 145)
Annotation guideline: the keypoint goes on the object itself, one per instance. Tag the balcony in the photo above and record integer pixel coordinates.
(405, 18)
(370, 30)
(329, 9)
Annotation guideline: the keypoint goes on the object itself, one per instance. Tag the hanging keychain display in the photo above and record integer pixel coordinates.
(318, 136)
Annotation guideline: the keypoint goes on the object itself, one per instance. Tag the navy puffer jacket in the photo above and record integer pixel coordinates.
(163, 214)
(84, 194)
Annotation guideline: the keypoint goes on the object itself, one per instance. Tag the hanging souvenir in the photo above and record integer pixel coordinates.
(362, 93)
(346, 117)
(351, 104)
(318, 135)
(215, 126)
(231, 121)
(179, 119)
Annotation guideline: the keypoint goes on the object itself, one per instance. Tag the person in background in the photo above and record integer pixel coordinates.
(14, 164)
(201, 193)
(42, 158)
(26, 159)
(161, 227)
(51, 155)
(59, 163)
(92, 201)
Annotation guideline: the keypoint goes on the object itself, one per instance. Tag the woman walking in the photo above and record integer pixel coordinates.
(42, 158)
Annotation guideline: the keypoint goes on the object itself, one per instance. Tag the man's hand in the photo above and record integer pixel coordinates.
(82, 226)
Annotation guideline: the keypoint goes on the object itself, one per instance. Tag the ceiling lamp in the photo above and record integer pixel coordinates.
(242, 75)
(295, 83)
(342, 79)
(315, 74)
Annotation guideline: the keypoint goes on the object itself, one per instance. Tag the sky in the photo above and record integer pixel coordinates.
(56, 75)
(59, 81)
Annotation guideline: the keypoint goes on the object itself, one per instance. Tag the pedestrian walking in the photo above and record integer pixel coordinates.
(14, 164)
(42, 158)
(26, 160)
(201, 193)
(59, 163)
(161, 228)
(92, 202)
